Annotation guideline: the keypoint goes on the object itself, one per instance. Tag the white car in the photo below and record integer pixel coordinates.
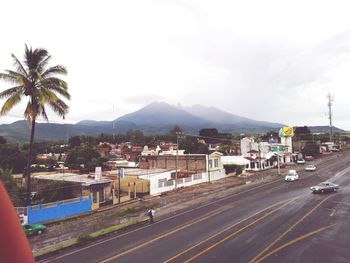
(291, 176)
(310, 168)
(300, 161)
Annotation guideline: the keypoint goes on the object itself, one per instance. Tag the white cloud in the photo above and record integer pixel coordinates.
(267, 60)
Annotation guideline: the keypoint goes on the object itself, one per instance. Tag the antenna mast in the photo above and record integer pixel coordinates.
(330, 100)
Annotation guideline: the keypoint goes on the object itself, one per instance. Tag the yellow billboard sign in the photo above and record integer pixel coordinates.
(287, 131)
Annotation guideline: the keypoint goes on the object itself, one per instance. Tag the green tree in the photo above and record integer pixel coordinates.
(311, 148)
(10, 185)
(105, 138)
(269, 136)
(85, 155)
(12, 158)
(135, 137)
(175, 130)
(52, 191)
(37, 82)
(74, 141)
(192, 146)
(302, 133)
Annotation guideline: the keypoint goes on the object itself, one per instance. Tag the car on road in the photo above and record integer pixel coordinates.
(310, 168)
(324, 187)
(291, 176)
(309, 158)
(33, 229)
(300, 161)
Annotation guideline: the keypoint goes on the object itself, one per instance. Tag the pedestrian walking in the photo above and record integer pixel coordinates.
(151, 213)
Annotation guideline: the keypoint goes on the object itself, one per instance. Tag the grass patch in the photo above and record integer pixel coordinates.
(86, 237)
(56, 247)
(110, 229)
(131, 210)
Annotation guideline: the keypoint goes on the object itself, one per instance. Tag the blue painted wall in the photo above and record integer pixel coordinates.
(42, 213)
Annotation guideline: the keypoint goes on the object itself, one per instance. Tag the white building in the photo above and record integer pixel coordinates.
(259, 154)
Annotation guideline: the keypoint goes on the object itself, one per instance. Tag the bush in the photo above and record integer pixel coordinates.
(230, 168)
(239, 170)
(233, 168)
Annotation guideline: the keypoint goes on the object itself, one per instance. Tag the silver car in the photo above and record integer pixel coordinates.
(310, 168)
(324, 187)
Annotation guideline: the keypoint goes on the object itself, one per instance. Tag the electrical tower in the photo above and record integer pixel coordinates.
(330, 100)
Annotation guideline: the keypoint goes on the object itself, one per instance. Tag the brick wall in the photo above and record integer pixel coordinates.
(195, 163)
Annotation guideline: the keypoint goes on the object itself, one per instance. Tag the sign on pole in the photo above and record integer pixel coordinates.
(121, 173)
(98, 173)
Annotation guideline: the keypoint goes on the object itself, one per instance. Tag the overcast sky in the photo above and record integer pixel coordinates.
(266, 60)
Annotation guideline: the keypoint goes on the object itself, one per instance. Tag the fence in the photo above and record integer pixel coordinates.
(59, 209)
(162, 185)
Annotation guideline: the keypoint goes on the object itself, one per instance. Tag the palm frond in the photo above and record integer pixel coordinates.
(8, 78)
(33, 58)
(42, 112)
(56, 85)
(58, 69)
(60, 91)
(30, 113)
(59, 107)
(10, 91)
(20, 68)
(12, 101)
(45, 96)
(43, 64)
(52, 81)
(13, 77)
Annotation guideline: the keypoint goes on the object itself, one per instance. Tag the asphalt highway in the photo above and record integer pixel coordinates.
(273, 222)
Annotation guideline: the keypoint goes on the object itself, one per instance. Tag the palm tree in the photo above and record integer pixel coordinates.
(34, 80)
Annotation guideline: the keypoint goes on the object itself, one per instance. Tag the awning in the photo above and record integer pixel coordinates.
(237, 160)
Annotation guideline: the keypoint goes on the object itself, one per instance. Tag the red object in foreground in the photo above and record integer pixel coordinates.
(14, 246)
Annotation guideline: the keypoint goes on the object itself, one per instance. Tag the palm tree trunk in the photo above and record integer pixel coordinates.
(29, 162)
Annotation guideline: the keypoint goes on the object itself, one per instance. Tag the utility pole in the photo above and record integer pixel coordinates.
(209, 168)
(260, 165)
(113, 123)
(330, 100)
(258, 141)
(178, 134)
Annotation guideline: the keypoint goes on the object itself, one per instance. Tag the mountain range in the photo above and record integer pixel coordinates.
(157, 117)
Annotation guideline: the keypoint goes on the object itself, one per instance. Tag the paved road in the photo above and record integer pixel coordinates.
(274, 222)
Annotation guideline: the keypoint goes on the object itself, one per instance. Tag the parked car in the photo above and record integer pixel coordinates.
(310, 168)
(291, 176)
(300, 161)
(335, 150)
(282, 165)
(309, 158)
(33, 229)
(324, 187)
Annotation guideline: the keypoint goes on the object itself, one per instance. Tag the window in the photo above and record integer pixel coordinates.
(101, 195)
(216, 163)
(94, 197)
(210, 163)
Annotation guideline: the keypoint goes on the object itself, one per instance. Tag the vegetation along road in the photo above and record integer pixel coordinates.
(273, 222)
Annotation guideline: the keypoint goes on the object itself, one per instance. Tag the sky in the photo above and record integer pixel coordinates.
(266, 60)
